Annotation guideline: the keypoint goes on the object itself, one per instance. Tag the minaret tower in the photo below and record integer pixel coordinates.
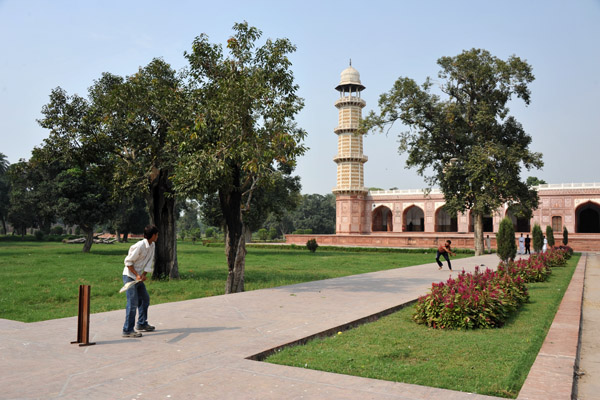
(350, 191)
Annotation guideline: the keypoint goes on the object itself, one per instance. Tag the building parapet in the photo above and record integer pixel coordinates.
(559, 186)
(543, 187)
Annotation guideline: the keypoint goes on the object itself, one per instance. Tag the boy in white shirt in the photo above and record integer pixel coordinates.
(138, 263)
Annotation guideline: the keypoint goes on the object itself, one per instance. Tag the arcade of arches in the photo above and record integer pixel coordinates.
(406, 218)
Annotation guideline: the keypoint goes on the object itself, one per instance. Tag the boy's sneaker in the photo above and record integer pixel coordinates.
(147, 328)
(132, 334)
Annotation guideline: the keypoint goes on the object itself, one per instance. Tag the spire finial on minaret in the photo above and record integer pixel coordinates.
(350, 62)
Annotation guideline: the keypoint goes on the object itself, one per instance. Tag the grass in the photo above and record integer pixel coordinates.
(40, 280)
(491, 362)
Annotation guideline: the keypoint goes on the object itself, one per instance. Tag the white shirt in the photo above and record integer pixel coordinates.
(141, 256)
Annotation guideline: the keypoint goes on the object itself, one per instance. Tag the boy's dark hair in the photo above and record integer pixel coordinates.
(149, 231)
(449, 241)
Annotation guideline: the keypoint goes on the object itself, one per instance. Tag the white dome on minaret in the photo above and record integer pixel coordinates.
(350, 77)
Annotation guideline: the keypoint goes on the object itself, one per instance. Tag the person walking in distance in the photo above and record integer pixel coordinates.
(444, 250)
(527, 244)
(138, 263)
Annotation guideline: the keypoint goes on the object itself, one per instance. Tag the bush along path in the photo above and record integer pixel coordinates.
(486, 299)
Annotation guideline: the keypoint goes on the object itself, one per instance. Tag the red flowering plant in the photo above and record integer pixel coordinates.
(552, 258)
(533, 269)
(567, 249)
(479, 300)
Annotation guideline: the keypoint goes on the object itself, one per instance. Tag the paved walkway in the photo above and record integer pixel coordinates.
(201, 348)
(588, 385)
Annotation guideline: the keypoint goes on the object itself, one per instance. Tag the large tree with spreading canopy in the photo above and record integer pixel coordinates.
(245, 136)
(466, 143)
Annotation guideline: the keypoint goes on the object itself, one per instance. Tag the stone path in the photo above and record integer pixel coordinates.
(202, 348)
(588, 385)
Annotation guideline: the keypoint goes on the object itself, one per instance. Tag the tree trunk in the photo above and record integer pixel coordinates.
(478, 231)
(125, 237)
(231, 206)
(118, 235)
(89, 239)
(162, 213)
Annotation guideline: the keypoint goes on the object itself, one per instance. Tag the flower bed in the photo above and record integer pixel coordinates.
(484, 299)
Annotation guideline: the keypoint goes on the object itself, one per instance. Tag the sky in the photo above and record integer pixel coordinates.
(70, 43)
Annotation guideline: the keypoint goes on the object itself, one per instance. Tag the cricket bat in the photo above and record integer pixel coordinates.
(128, 285)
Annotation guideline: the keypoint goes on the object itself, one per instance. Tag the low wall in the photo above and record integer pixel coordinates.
(578, 241)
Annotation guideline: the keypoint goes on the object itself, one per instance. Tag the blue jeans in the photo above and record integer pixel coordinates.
(137, 300)
(445, 255)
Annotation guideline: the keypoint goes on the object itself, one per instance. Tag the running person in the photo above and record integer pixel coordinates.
(444, 251)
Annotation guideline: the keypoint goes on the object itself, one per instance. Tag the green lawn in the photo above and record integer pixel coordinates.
(491, 362)
(40, 280)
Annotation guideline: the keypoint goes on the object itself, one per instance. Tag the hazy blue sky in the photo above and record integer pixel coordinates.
(45, 44)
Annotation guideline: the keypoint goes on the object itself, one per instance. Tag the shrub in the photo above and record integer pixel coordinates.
(537, 238)
(57, 230)
(568, 251)
(39, 235)
(550, 236)
(530, 270)
(566, 237)
(262, 234)
(479, 300)
(210, 232)
(552, 258)
(505, 239)
(312, 245)
(272, 235)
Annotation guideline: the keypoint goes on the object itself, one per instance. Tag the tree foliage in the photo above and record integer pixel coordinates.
(141, 116)
(4, 191)
(550, 235)
(565, 239)
(507, 249)
(245, 103)
(467, 144)
(537, 237)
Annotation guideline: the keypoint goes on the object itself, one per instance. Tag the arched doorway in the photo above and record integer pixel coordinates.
(382, 220)
(414, 219)
(445, 222)
(588, 218)
(488, 223)
(520, 222)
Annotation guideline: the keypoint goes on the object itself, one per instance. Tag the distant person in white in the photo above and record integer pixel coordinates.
(545, 246)
(138, 263)
(521, 244)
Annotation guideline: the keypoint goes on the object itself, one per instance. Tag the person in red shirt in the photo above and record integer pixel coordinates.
(444, 250)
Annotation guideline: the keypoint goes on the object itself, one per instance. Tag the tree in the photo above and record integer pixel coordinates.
(189, 219)
(537, 238)
(316, 212)
(505, 238)
(21, 211)
(565, 239)
(77, 164)
(468, 145)
(550, 236)
(141, 115)
(131, 216)
(82, 199)
(244, 103)
(4, 191)
(534, 181)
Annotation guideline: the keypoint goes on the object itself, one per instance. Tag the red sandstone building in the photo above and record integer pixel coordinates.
(411, 218)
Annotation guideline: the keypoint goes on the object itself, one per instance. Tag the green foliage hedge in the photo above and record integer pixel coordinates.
(485, 299)
(33, 238)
